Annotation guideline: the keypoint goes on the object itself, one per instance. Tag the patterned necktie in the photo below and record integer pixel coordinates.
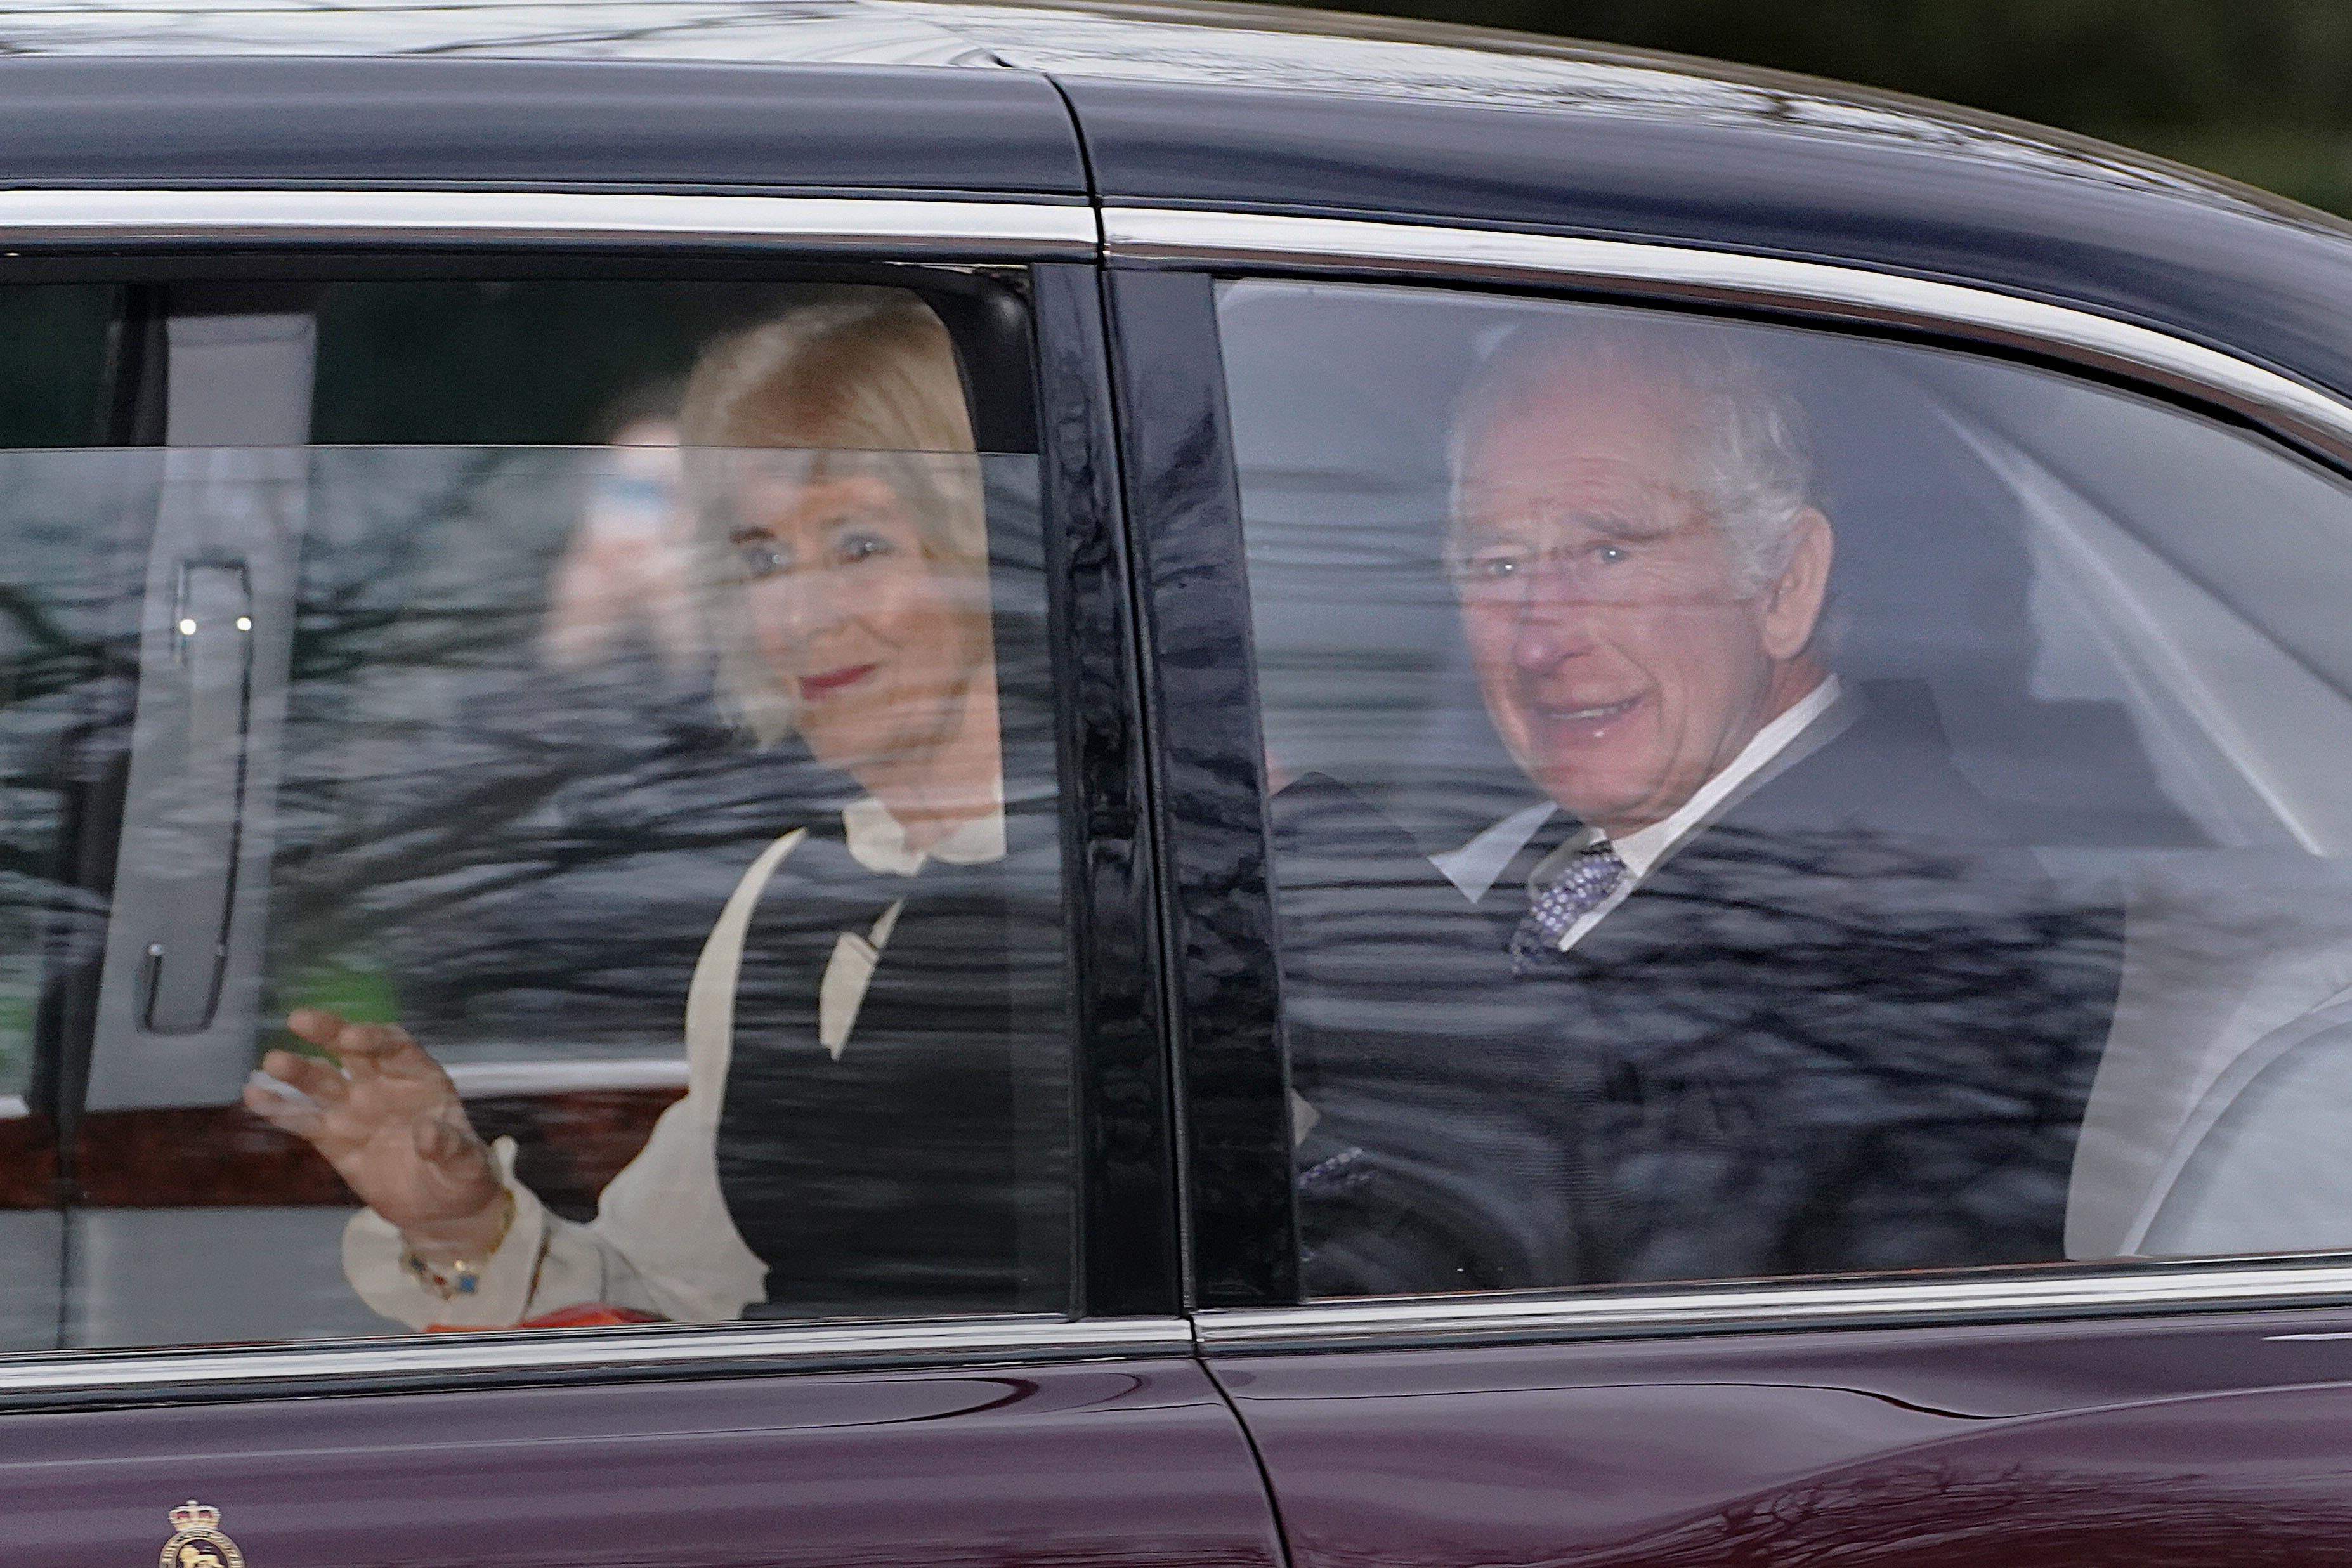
(1576, 892)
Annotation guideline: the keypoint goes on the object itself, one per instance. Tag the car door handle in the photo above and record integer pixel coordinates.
(212, 620)
(181, 985)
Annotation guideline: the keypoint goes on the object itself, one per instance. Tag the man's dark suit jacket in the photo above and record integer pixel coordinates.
(1849, 1024)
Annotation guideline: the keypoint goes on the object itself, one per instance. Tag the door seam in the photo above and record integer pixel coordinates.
(1249, 1440)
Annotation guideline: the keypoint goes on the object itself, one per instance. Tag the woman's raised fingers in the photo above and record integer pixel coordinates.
(315, 1024)
(314, 1078)
(291, 1115)
(369, 1050)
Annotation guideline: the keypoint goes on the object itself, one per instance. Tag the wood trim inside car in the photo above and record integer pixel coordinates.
(572, 1141)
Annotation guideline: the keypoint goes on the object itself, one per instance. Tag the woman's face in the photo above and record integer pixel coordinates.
(880, 643)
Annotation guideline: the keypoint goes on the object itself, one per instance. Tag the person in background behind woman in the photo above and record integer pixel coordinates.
(876, 1062)
(628, 573)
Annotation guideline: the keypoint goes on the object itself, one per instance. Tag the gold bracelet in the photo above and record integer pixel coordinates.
(460, 1277)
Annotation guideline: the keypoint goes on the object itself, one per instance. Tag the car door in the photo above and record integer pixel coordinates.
(420, 718)
(2063, 1294)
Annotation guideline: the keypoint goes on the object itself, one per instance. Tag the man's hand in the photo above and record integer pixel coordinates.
(392, 1125)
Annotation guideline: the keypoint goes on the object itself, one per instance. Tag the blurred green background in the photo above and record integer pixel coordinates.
(2257, 89)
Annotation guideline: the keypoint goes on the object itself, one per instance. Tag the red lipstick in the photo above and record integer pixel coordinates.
(827, 682)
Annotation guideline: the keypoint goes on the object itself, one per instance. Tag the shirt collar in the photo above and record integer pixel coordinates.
(879, 842)
(1643, 847)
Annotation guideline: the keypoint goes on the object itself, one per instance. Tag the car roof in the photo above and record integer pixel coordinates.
(1259, 108)
(1202, 43)
(1186, 105)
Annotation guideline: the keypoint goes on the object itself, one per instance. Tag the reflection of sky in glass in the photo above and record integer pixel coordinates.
(674, 29)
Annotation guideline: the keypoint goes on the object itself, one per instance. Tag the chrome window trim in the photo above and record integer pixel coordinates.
(977, 229)
(2295, 409)
(67, 1378)
(1750, 1307)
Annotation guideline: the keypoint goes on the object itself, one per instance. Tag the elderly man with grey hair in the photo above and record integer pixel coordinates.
(1642, 577)
(1764, 985)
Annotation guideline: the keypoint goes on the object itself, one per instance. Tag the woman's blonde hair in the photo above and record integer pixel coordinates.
(867, 370)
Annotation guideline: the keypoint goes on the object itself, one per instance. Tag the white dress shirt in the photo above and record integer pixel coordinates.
(1474, 867)
(662, 1241)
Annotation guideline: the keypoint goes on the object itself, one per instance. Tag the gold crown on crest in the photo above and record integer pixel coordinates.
(193, 1515)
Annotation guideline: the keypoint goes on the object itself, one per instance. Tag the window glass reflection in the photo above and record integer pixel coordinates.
(553, 884)
(1797, 805)
(68, 616)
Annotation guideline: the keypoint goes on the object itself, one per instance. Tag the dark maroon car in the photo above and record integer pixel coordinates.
(1657, 766)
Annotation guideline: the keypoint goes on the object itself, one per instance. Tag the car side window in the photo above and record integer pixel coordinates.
(1753, 802)
(588, 845)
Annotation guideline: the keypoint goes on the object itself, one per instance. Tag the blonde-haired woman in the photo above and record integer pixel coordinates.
(865, 1029)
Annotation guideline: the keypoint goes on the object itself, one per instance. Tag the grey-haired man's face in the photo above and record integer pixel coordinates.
(1618, 655)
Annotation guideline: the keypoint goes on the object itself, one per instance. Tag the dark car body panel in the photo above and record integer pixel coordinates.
(279, 122)
(1122, 1464)
(2108, 1442)
(1238, 108)
(2181, 259)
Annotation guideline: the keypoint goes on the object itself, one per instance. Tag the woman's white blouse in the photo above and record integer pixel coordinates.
(662, 1241)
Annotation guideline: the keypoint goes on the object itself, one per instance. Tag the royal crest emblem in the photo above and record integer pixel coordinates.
(196, 1541)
